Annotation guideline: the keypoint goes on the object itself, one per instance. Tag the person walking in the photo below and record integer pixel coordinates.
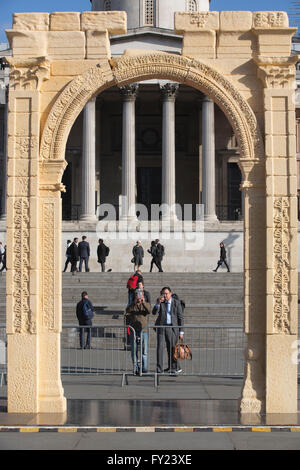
(222, 258)
(171, 320)
(74, 252)
(68, 255)
(4, 260)
(160, 252)
(138, 255)
(102, 253)
(85, 313)
(1, 253)
(153, 252)
(84, 254)
(137, 317)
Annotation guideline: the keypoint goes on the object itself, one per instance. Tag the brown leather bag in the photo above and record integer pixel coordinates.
(182, 352)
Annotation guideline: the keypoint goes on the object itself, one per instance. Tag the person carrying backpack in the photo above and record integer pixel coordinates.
(160, 252)
(102, 253)
(85, 313)
(132, 284)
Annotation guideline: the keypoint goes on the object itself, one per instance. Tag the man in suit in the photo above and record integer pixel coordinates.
(170, 313)
(74, 252)
(84, 320)
(84, 254)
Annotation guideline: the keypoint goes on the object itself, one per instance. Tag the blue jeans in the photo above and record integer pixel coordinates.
(141, 341)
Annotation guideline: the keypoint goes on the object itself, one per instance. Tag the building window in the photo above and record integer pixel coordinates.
(149, 12)
(192, 5)
(107, 5)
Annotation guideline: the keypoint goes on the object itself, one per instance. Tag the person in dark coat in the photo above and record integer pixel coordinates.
(102, 253)
(4, 260)
(81, 312)
(153, 253)
(138, 255)
(160, 252)
(222, 258)
(68, 255)
(169, 312)
(84, 254)
(74, 252)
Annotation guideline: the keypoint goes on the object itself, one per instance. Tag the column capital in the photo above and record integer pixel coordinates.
(207, 99)
(129, 92)
(169, 91)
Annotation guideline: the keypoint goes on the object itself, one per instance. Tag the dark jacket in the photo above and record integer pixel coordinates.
(222, 252)
(137, 315)
(74, 251)
(84, 249)
(101, 252)
(82, 319)
(176, 313)
(160, 251)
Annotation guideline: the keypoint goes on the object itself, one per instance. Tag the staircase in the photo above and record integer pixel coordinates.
(210, 298)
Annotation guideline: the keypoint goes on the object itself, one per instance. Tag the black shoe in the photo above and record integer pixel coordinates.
(167, 370)
(109, 271)
(214, 270)
(88, 347)
(144, 371)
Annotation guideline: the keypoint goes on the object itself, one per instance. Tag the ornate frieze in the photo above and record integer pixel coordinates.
(28, 74)
(200, 19)
(169, 91)
(277, 72)
(274, 19)
(23, 320)
(281, 265)
(48, 250)
(129, 92)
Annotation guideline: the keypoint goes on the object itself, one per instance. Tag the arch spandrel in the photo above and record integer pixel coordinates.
(129, 69)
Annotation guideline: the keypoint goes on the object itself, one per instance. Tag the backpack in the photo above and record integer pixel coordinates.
(106, 251)
(160, 250)
(132, 281)
(69, 251)
(87, 311)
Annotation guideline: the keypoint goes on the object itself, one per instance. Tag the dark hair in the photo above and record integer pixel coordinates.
(83, 294)
(169, 289)
(84, 237)
(100, 240)
(69, 241)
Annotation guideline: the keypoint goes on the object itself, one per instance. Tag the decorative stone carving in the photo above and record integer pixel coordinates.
(24, 146)
(277, 72)
(274, 19)
(281, 265)
(28, 74)
(129, 92)
(169, 91)
(253, 399)
(48, 249)
(131, 68)
(200, 19)
(23, 320)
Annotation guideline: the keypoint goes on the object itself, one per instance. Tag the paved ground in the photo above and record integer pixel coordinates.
(183, 414)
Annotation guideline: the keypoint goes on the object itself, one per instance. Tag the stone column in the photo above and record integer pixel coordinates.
(129, 93)
(88, 187)
(208, 160)
(169, 92)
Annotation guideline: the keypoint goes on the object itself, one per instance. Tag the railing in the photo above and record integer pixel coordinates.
(217, 350)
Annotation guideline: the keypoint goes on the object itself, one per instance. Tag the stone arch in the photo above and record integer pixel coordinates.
(129, 69)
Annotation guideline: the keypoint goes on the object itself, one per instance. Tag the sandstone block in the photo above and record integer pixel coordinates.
(199, 44)
(71, 67)
(281, 374)
(66, 45)
(31, 21)
(61, 21)
(280, 146)
(97, 45)
(115, 22)
(239, 44)
(28, 43)
(280, 122)
(235, 20)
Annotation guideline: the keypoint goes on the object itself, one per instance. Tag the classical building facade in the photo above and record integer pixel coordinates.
(154, 142)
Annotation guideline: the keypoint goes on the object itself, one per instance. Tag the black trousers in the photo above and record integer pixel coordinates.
(168, 336)
(158, 264)
(224, 261)
(82, 331)
(74, 265)
(66, 264)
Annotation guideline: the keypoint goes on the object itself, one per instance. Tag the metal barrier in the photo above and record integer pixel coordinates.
(216, 351)
(3, 371)
(103, 355)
